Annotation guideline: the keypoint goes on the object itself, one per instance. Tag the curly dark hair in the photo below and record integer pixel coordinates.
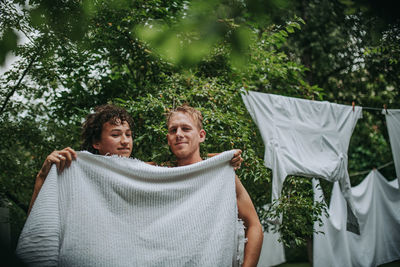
(93, 125)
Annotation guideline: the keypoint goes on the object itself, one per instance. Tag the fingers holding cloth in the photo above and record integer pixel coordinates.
(237, 160)
(62, 159)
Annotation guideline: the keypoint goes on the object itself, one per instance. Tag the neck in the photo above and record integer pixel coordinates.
(189, 160)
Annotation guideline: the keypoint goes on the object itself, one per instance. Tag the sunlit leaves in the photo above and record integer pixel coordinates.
(203, 26)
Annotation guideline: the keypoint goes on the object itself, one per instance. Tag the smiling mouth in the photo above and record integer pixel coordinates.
(180, 143)
(124, 148)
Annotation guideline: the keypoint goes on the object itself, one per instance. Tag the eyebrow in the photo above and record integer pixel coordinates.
(119, 130)
(182, 125)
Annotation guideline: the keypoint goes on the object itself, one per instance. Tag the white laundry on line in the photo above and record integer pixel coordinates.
(393, 126)
(377, 202)
(113, 211)
(272, 252)
(306, 138)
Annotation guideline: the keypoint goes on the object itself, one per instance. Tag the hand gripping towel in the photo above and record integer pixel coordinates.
(393, 126)
(377, 202)
(113, 211)
(305, 138)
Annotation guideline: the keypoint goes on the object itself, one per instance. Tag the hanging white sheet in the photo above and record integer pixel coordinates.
(377, 203)
(306, 138)
(273, 252)
(393, 126)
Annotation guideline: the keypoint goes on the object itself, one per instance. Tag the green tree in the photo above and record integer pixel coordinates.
(84, 53)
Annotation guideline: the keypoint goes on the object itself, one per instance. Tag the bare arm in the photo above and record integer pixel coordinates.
(62, 159)
(254, 233)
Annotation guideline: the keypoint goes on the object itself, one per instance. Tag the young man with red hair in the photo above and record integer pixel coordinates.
(185, 134)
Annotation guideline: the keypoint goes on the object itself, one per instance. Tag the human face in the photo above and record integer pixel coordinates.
(115, 139)
(184, 138)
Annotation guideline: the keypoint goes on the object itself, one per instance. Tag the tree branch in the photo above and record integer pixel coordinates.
(11, 93)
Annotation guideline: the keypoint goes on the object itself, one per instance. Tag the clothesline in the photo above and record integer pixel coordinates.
(371, 108)
(367, 171)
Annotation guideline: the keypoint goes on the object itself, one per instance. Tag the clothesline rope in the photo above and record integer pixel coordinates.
(367, 171)
(370, 108)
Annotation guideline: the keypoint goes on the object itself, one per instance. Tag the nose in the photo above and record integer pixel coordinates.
(124, 139)
(179, 133)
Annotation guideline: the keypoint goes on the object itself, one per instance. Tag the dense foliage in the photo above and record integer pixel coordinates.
(150, 56)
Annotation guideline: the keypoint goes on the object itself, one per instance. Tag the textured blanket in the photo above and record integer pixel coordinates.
(113, 211)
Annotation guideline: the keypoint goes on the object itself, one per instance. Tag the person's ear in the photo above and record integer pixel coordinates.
(202, 134)
(96, 146)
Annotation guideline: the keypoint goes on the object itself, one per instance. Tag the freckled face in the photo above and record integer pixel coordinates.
(184, 137)
(115, 139)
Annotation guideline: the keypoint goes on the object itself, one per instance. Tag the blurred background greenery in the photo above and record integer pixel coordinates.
(152, 55)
